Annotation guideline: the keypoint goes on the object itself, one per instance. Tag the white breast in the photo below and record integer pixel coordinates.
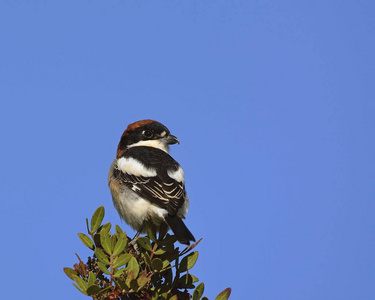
(135, 210)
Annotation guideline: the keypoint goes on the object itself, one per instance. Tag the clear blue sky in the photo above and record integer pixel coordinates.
(274, 105)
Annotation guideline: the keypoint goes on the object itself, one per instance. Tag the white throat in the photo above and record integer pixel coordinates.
(152, 143)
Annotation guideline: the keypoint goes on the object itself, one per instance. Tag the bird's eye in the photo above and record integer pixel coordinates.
(147, 133)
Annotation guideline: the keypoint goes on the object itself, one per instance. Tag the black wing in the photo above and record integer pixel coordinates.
(161, 190)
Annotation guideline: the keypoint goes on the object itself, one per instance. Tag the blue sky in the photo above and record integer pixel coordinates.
(274, 105)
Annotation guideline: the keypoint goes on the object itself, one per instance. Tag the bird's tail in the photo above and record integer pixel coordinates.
(182, 233)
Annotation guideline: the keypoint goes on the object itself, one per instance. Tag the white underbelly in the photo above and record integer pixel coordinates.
(135, 210)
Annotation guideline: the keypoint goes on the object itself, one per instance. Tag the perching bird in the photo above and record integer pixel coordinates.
(146, 183)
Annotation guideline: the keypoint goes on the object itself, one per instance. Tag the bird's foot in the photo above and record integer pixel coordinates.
(135, 245)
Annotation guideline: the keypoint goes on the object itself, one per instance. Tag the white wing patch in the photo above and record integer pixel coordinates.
(135, 188)
(132, 166)
(177, 175)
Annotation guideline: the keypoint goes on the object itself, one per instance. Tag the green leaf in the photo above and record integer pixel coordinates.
(103, 268)
(113, 241)
(144, 242)
(168, 257)
(129, 278)
(133, 266)
(78, 288)
(134, 285)
(157, 264)
(169, 239)
(105, 227)
(122, 242)
(147, 259)
(155, 296)
(122, 260)
(86, 240)
(174, 297)
(160, 251)
(118, 230)
(165, 263)
(93, 289)
(188, 261)
(164, 296)
(151, 231)
(104, 291)
(105, 240)
(168, 277)
(121, 284)
(101, 256)
(97, 239)
(198, 292)
(224, 295)
(118, 272)
(91, 278)
(70, 273)
(186, 282)
(204, 298)
(143, 279)
(81, 283)
(97, 219)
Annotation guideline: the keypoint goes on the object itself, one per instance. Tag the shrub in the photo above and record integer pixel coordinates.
(150, 267)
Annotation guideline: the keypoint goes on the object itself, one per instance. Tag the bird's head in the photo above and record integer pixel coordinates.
(148, 133)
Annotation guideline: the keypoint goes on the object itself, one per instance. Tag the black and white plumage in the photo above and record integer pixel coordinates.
(146, 183)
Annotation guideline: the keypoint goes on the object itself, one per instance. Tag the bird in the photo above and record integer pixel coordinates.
(146, 183)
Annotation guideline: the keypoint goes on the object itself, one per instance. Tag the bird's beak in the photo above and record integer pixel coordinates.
(170, 140)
